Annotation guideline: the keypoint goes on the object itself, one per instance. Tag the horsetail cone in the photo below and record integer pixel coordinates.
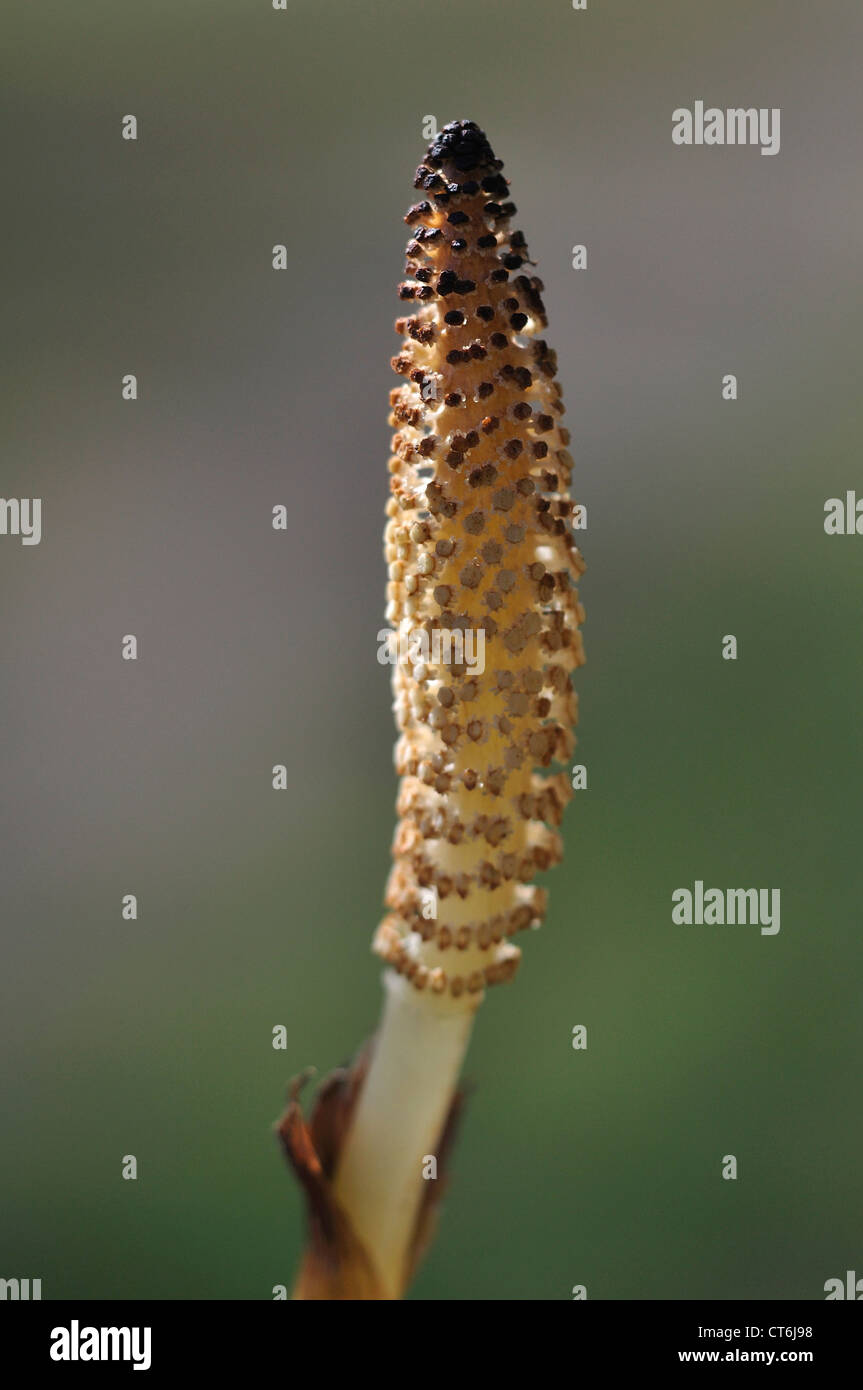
(478, 543)
(484, 618)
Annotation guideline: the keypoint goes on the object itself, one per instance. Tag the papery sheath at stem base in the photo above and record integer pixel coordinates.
(336, 1265)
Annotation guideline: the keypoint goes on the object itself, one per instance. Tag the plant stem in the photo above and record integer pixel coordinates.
(399, 1119)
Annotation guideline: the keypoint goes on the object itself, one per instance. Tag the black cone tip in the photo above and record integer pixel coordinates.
(463, 144)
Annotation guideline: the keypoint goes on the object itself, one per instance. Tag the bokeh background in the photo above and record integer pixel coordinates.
(259, 647)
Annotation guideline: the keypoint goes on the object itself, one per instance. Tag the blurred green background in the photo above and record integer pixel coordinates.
(259, 647)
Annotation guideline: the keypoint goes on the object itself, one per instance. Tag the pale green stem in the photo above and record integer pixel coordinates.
(400, 1115)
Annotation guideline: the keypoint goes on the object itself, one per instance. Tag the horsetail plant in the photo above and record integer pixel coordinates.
(485, 619)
